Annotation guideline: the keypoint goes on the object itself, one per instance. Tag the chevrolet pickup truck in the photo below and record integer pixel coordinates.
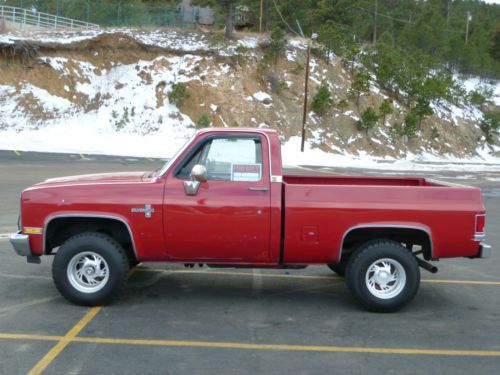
(224, 201)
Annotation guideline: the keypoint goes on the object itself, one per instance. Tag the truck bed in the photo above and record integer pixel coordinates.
(321, 210)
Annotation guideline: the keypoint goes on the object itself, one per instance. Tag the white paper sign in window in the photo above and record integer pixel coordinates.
(246, 172)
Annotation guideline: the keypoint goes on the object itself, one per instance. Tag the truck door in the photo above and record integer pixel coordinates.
(228, 219)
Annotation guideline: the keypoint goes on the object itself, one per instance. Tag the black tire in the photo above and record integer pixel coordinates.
(366, 256)
(91, 246)
(338, 268)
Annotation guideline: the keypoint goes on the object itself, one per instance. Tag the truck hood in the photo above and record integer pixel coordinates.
(96, 178)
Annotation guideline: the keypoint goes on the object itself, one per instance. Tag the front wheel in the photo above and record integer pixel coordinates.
(90, 269)
(383, 275)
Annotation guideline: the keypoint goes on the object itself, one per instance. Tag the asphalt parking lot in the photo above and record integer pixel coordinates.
(173, 320)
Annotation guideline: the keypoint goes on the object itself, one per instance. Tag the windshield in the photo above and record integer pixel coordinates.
(161, 171)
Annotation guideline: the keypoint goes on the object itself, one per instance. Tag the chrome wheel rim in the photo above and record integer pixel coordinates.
(385, 278)
(88, 272)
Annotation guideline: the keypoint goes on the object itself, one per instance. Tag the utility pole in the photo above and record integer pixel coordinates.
(304, 115)
(469, 18)
(260, 16)
(375, 22)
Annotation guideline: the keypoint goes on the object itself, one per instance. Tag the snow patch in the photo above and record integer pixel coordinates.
(264, 98)
(476, 83)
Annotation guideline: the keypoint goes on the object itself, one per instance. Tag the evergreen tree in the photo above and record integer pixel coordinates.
(385, 109)
(368, 119)
(436, 28)
(360, 84)
(495, 48)
(322, 100)
(410, 125)
(276, 47)
(422, 108)
(491, 125)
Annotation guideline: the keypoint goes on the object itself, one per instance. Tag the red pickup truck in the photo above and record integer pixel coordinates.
(224, 201)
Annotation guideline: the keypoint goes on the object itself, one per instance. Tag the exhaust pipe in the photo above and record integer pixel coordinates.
(426, 265)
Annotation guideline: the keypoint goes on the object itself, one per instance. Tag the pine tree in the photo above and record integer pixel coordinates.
(422, 109)
(276, 47)
(360, 84)
(490, 125)
(322, 100)
(385, 109)
(410, 125)
(368, 119)
(495, 48)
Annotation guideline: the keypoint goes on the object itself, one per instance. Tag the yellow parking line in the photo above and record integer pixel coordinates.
(18, 336)
(63, 342)
(310, 348)
(66, 339)
(443, 281)
(248, 346)
(471, 282)
(17, 153)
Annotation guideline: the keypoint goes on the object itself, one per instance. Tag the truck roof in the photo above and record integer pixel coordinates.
(227, 130)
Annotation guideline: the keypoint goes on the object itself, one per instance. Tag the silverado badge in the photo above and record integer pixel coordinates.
(147, 209)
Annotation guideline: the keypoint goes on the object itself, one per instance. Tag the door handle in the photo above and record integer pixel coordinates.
(258, 188)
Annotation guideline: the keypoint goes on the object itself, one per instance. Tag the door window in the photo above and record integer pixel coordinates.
(228, 159)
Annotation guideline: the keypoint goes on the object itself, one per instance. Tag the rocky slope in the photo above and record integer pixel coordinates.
(107, 92)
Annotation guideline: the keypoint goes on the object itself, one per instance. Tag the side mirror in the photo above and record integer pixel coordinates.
(198, 175)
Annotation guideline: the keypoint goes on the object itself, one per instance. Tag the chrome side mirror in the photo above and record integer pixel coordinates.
(198, 175)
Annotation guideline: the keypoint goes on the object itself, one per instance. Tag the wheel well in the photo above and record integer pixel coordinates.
(60, 229)
(409, 236)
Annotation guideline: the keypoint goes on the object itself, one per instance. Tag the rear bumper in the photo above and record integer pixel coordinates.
(21, 244)
(484, 251)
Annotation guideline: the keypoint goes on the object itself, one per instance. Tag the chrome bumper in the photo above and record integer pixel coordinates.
(484, 251)
(21, 244)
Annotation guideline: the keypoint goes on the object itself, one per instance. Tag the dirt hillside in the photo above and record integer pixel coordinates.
(124, 78)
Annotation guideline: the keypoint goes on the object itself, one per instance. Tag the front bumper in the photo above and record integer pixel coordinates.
(21, 244)
(484, 251)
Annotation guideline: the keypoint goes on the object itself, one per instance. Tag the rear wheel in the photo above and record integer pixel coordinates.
(90, 269)
(383, 275)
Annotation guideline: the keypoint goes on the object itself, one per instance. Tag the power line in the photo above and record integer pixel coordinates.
(401, 20)
(363, 10)
(283, 19)
(382, 15)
